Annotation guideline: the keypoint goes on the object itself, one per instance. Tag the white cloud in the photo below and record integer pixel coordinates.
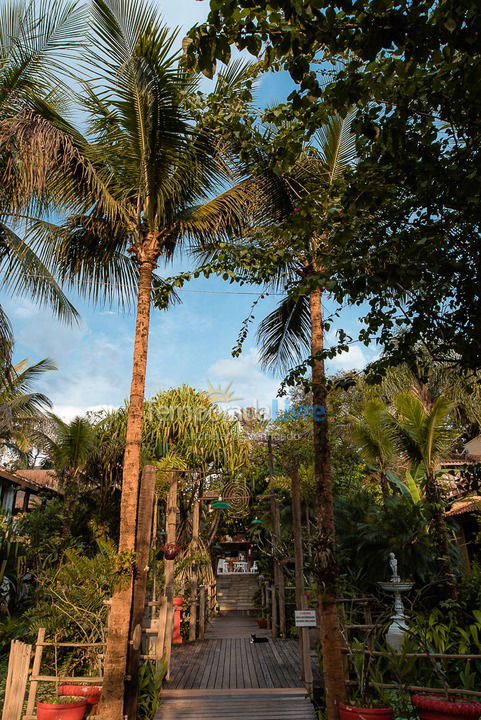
(353, 359)
(249, 384)
(69, 412)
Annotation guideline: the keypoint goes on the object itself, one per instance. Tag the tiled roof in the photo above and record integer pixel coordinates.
(465, 506)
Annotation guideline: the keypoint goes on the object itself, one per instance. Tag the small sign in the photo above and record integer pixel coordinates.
(305, 618)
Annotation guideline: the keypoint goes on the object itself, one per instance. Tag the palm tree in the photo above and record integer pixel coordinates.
(374, 442)
(136, 186)
(296, 329)
(36, 39)
(425, 437)
(22, 409)
(68, 448)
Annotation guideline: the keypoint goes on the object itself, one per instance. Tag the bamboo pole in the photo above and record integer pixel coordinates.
(171, 528)
(195, 577)
(273, 611)
(301, 600)
(142, 558)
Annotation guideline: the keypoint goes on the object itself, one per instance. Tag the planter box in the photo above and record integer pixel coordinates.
(348, 712)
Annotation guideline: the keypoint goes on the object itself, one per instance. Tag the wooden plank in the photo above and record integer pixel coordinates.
(16, 684)
(37, 661)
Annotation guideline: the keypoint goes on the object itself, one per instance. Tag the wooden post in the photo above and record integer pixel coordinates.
(142, 557)
(301, 600)
(202, 600)
(273, 612)
(193, 601)
(280, 595)
(169, 571)
(16, 683)
(278, 567)
(37, 661)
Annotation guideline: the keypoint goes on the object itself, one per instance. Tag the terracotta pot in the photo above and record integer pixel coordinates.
(348, 712)
(90, 692)
(177, 601)
(436, 707)
(54, 711)
(262, 623)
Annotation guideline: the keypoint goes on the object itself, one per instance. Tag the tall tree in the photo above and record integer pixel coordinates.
(143, 179)
(295, 329)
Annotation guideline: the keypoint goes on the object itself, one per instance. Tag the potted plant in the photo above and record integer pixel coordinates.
(90, 692)
(170, 550)
(368, 703)
(62, 708)
(262, 623)
(441, 707)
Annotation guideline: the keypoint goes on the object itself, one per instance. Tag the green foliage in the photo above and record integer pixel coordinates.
(151, 676)
(43, 528)
(367, 532)
(72, 597)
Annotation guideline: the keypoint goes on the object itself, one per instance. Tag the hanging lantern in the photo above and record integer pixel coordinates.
(256, 521)
(221, 505)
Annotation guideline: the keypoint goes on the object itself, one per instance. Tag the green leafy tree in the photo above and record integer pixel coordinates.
(408, 239)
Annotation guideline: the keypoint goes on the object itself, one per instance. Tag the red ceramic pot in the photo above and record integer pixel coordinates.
(53, 711)
(436, 707)
(262, 623)
(348, 712)
(87, 691)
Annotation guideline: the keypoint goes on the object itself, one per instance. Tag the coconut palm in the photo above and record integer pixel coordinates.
(425, 437)
(68, 449)
(373, 440)
(296, 330)
(142, 180)
(36, 39)
(22, 409)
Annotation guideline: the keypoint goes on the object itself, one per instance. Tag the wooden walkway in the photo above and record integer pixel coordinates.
(226, 677)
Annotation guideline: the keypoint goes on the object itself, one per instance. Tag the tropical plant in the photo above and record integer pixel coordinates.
(68, 450)
(296, 329)
(425, 437)
(22, 409)
(374, 442)
(136, 186)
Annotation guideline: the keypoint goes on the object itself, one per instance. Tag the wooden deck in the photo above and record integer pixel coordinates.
(225, 677)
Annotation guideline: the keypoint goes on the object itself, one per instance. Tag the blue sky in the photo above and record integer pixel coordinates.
(191, 343)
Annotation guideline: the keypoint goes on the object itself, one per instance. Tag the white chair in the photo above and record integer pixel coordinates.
(254, 567)
(221, 566)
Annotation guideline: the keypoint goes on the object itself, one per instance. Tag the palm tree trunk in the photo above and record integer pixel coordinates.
(439, 532)
(331, 635)
(115, 662)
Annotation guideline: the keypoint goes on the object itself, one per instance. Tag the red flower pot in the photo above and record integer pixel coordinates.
(436, 707)
(262, 623)
(53, 711)
(91, 692)
(348, 712)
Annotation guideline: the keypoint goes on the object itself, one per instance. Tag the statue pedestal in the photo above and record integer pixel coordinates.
(399, 625)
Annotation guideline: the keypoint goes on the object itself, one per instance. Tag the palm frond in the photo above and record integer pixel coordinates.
(23, 273)
(284, 335)
(336, 146)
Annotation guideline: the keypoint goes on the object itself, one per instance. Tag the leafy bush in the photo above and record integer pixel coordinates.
(151, 677)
